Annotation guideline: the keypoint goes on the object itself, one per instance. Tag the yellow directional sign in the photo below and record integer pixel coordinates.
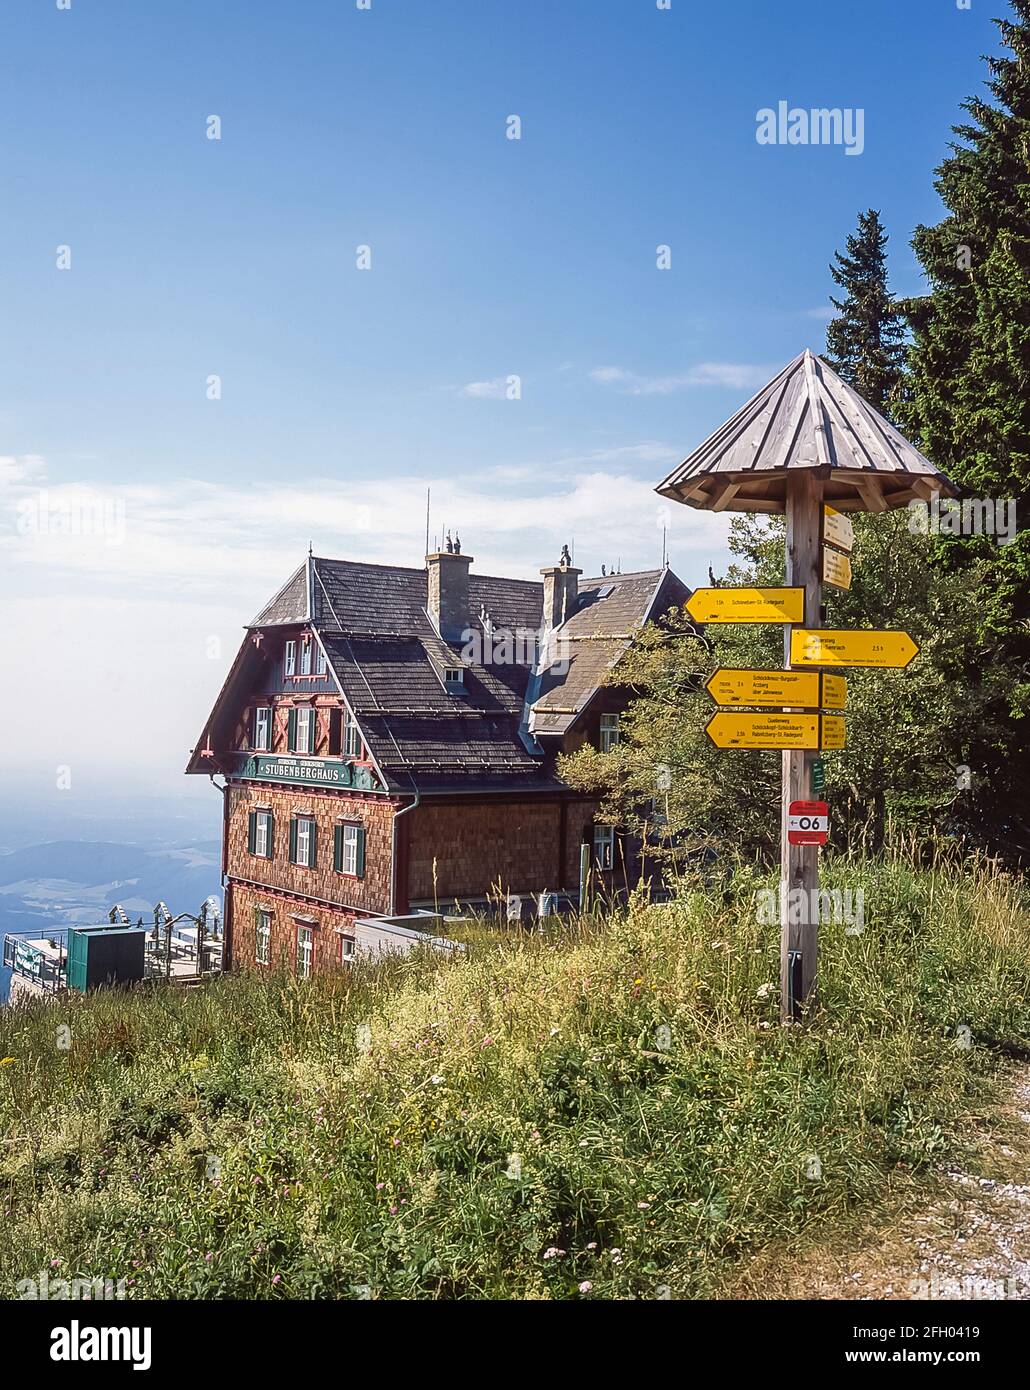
(836, 569)
(833, 647)
(837, 529)
(799, 689)
(747, 605)
(730, 729)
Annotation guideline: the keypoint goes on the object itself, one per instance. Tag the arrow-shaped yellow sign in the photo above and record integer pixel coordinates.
(747, 605)
(728, 729)
(833, 647)
(799, 689)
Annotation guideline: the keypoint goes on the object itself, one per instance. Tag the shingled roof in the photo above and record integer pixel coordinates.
(388, 660)
(609, 612)
(807, 417)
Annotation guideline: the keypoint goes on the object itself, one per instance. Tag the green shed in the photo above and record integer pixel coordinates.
(105, 955)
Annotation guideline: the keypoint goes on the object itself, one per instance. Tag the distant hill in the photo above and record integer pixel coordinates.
(61, 883)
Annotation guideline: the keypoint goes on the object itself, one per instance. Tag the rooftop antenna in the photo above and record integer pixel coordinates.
(311, 550)
(427, 522)
(665, 547)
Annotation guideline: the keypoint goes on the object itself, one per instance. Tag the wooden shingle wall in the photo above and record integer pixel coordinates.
(368, 894)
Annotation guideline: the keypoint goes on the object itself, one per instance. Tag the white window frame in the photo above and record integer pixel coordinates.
(351, 736)
(349, 849)
(305, 658)
(454, 675)
(348, 949)
(604, 847)
(261, 827)
(266, 723)
(611, 732)
(321, 665)
(305, 951)
(305, 730)
(305, 828)
(290, 659)
(263, 937)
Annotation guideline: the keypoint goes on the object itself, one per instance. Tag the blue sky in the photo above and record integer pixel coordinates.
(345, 392)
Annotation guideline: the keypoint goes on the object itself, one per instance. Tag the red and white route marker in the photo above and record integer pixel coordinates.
(808, 823)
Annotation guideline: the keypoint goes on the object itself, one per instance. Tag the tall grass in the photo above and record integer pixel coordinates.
(602, 1109)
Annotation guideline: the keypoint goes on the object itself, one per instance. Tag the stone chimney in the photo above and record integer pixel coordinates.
(561, 590)
(448, 600)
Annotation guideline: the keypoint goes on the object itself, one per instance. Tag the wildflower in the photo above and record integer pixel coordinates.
(592, 1245)
(54, 1264)
(276, 1278)
(586, 1286)
(6, 1061)
(553, 1253)
(436, 1080)
(763, 992)
(380, 1186)
(393, 1211)
(642, 1206)
(616, 1256)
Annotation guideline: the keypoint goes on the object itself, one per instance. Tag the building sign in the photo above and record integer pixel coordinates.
(317, 772)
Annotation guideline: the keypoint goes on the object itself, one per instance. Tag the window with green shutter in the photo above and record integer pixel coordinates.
(293, 840)
(291, 732)
(349, 849)
(251, 831)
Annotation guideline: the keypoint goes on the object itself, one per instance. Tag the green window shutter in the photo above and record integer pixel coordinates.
(360, 865)
(313, 732)
(293, 841)
(291, 734)
(338, 848)
(251, 831)
(271, 836)
(312, 844)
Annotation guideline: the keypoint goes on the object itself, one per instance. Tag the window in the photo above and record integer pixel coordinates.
(604, 846)
(260, 829)
(305, 658)
(303, 841)
(290, 666)
(349, 849)
(263, 729)
(320, 663)
(351, 736)
(454, 675)
(262, 935)
(305, 951)
(346, 949)
(610, 733)
(301, 730)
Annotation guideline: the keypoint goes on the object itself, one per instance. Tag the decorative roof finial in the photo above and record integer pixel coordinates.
(450, 544)
(457, 544)
(566, 558)
(603, 571)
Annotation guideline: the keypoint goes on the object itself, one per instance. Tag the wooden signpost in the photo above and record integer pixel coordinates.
(801, 689)
(731, 729)
(807, 440)
(833, 647)
(747, 606)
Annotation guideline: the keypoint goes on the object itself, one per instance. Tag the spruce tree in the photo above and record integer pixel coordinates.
(970, 397)
(865, 343)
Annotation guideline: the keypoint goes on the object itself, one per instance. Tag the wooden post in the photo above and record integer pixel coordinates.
(799, 864)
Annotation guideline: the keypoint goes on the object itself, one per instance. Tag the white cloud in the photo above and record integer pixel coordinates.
(495, 390)
(141, 621)
(740, 376)
(823, 313)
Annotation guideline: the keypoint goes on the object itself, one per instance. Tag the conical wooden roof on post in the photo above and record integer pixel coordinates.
(806, 418)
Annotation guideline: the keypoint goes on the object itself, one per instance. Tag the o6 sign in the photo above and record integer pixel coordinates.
(808, 823)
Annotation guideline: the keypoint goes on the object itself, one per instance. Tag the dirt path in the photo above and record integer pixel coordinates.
(971, 1242)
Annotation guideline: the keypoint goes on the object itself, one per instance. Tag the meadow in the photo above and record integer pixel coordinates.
(602, 1108)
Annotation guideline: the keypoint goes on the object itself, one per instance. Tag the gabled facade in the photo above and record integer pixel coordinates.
(388, 739)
